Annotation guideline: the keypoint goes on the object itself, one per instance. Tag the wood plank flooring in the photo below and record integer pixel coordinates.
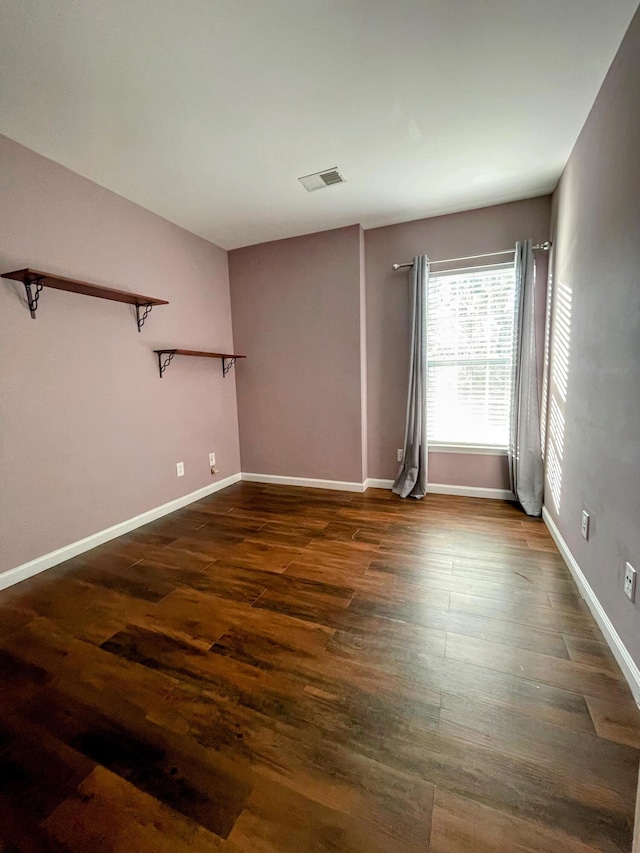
(279, 670)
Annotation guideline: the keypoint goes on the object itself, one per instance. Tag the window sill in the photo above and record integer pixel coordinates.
(470, 449)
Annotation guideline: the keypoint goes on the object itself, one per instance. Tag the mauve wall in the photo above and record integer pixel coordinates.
(296, 309)
(469, 469)
(488, 229)
(595, 384)
(89, 434)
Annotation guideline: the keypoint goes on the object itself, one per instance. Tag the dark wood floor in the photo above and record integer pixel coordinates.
(276, 669)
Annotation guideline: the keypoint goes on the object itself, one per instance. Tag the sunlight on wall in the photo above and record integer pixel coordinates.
(560, 359)
(544, 407)
(562, 340)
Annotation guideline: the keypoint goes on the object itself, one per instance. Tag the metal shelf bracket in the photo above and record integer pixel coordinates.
(32, 298)
(140, 319)
(227, 364)
(162, 365)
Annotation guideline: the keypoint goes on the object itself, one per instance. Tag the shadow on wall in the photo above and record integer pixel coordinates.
(561, 352)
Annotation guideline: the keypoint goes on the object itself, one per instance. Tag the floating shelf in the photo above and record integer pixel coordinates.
(228, 359)
(39, 279)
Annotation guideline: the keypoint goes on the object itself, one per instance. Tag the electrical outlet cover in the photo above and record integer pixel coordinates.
(180, 469)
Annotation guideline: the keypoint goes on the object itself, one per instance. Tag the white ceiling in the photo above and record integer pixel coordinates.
(207, 111)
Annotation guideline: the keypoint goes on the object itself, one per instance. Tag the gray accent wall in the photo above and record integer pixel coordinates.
(593, 436)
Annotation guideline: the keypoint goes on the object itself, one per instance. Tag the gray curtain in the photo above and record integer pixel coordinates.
(525, 452)
(411, 480)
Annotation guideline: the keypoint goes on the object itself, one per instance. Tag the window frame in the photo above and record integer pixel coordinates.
(470, 448)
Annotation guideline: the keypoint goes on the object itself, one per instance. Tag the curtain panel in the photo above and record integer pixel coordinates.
(411, 480)
(525, 452)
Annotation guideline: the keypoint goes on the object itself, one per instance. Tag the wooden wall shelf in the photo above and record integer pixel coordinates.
(225, 356)
(39, 279)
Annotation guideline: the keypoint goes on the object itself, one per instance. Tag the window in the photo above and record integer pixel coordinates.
(470, 320)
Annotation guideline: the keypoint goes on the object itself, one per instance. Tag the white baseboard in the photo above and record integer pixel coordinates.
(625, 661)
(470, 492)
(276, 480)
(372, 483)
(443, 489)
(40, 564)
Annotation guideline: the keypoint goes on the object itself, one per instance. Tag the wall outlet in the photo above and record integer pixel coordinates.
(630, 582)
(399, 454)
(212, 460)
(180, 469)
(584, 527)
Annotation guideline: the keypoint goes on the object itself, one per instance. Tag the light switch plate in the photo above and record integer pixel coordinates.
(630, 575)
(584, 527)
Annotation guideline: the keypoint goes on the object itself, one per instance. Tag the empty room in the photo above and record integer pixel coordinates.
(319, 426)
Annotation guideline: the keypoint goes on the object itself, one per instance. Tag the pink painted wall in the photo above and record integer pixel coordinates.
(296, 307)
(488, 229)
(313, 309)
(596, 264)
(469, 469)
(90, 435)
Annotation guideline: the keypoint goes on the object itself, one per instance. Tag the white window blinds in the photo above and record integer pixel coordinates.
(470, 319)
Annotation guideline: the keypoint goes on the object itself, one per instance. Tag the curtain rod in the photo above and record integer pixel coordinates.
(544, 247)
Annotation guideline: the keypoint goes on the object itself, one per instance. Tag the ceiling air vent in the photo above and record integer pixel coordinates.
(320, 180)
